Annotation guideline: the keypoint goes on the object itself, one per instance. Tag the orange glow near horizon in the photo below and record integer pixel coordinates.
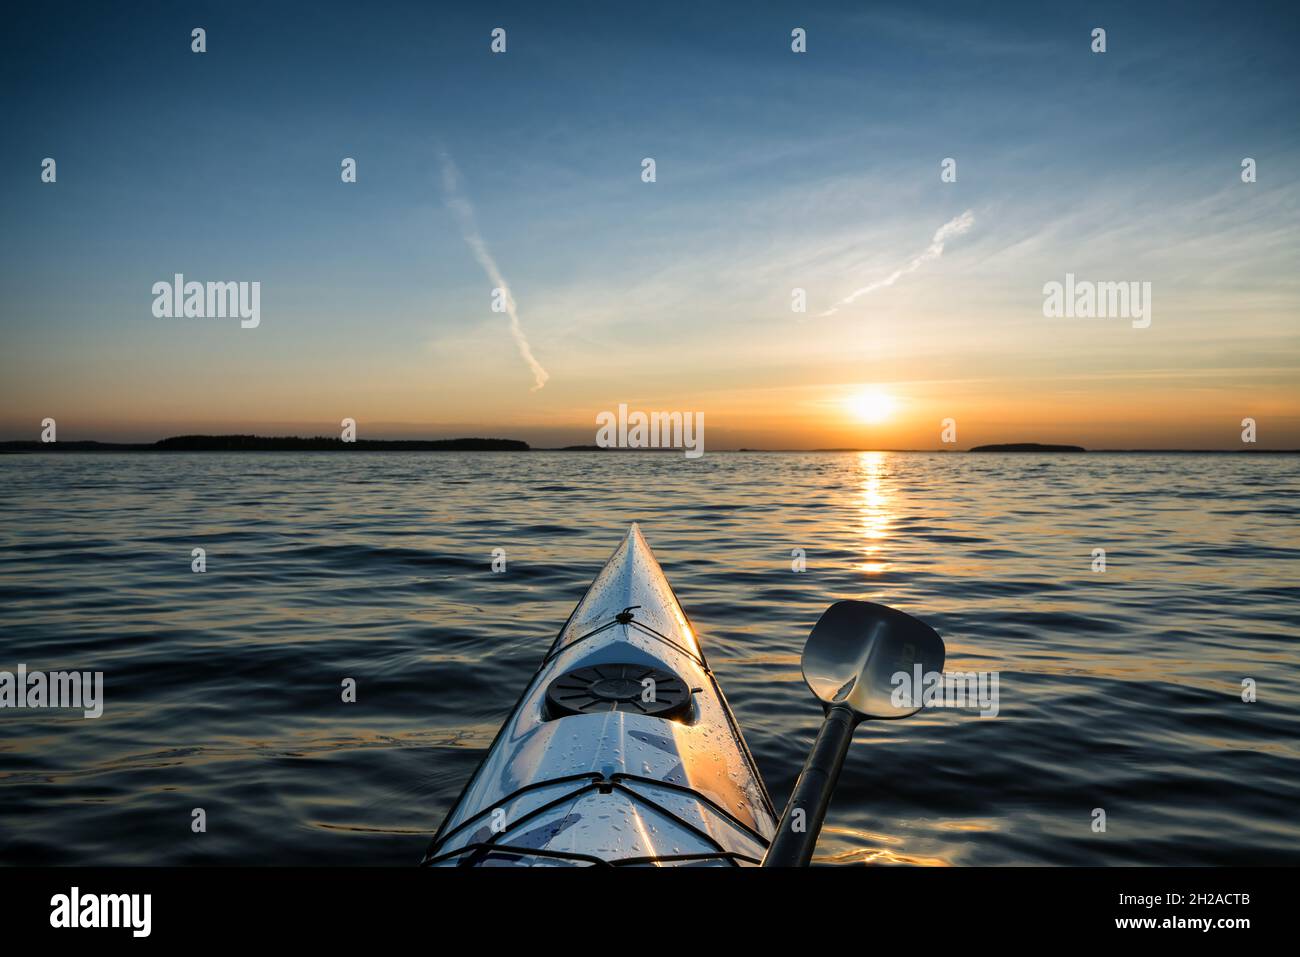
(115, 401)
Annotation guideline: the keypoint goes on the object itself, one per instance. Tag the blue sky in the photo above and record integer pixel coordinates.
(775, 170)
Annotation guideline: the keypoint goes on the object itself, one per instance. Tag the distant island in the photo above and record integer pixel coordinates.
(288, 443)
(1028, 447)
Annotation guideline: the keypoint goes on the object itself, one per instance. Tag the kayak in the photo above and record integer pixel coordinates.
(621, 751)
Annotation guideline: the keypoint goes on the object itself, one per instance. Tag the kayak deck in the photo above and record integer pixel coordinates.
(622, 749)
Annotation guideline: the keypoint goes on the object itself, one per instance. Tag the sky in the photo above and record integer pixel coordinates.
(774, 171)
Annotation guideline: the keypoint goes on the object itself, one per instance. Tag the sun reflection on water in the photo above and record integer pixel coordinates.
(876, 512)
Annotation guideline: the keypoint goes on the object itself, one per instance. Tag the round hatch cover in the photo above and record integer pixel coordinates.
(603, 688)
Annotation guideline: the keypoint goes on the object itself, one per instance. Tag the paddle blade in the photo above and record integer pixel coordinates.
(856, 649)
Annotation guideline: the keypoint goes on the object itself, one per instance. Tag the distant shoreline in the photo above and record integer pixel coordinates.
(255, 443)
(1028, 447)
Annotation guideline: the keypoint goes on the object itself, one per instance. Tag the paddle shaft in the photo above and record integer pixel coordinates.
(812, 792)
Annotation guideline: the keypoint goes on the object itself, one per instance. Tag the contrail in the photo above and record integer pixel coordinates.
(469, 232)
(949, 230)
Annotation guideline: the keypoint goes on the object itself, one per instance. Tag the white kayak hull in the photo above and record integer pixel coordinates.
(622, 749)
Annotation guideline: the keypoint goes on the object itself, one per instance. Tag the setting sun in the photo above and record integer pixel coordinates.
(870, 406)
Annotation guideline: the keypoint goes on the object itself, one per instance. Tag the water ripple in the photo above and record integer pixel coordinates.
(1120, 690)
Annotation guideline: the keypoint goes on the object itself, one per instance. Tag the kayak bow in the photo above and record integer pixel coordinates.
(621, 751)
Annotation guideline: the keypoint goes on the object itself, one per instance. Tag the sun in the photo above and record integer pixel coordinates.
(871, 406)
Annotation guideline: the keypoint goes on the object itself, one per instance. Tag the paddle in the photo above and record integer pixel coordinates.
(854, 650)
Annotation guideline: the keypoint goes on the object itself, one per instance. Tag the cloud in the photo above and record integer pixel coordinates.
(458, 204)
(950, 230)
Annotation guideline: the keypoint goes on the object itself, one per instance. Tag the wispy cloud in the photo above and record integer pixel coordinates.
(458, 204)
(950, 230)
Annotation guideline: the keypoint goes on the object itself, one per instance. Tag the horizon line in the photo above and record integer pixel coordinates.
(408, 444)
